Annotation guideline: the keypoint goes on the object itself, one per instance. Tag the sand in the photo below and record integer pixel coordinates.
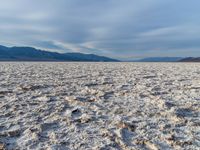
(99, 106)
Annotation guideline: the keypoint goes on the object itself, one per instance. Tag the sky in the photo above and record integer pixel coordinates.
(123, 29)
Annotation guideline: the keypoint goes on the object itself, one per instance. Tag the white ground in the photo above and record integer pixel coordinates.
(99, 106)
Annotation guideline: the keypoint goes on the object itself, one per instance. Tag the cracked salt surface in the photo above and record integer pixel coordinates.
(99, 106)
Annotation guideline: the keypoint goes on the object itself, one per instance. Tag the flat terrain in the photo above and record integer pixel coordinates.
(99, 106)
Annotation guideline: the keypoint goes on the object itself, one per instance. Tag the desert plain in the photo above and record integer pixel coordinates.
(99, 106)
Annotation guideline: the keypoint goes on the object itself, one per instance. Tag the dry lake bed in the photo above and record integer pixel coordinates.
(99, 106)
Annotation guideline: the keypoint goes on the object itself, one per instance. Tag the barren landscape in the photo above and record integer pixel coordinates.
(105, 106)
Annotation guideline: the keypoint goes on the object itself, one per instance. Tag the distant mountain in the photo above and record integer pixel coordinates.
(32, 54)
(160, 59)
(190, 59)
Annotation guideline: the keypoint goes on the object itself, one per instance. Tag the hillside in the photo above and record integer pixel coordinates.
(190, 59)
(32, 54)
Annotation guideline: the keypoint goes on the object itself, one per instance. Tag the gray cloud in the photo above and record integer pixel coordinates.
(120, 29)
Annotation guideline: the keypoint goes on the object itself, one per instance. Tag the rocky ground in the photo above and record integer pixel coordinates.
(103, 106)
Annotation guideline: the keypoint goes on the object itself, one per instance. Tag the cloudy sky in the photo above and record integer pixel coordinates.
(122, 29)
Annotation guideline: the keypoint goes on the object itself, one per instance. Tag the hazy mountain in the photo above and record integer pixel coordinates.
(160, 59)
(190, 59)
(32, 54)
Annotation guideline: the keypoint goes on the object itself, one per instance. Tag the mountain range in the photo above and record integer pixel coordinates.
(169, 59)
(190, 59)
(161, 59)
(32, 54)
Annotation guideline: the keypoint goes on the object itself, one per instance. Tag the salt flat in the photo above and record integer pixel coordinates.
(99, 106)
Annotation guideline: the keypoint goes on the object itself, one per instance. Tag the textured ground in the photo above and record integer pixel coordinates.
(99, 106)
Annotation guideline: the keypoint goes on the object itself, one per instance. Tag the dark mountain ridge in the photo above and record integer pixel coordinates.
(190, 59)
(32, 54)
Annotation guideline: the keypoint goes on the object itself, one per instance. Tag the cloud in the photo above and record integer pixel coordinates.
(113, 28)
